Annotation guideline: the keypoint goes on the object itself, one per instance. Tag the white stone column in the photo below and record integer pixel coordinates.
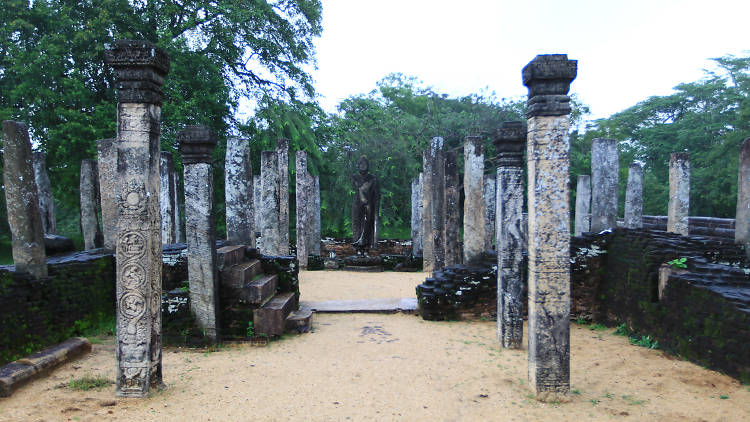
(282, 152)
(604, 181)
(433, 206)
(548, 78)
(44, 189)
(269, 204)
(583, 205)
(314, 247)
(304, 201)
(179, 232)
(742, 221)
(257, 183)
(634, 197)
(89, 201)
(490, 191)
(106, 162)
(238, 190)
(474, 207)
(139, 68)
(416, 215)
(196, 145)
(452, 236)
(166, 198)
(679, 193)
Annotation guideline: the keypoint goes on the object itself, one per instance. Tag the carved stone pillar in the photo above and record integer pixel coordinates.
(44, 189)
(238, 190)
(510, 141)
(583, 205)
(269, 204)
(433, 207)
(452, 237)
(679, 193)
(196, 145)
(22, 201)
(634, 197)
(139, 68)
(604, 181)
(106, 162)
(166, 198)
(490, 192)
(742, 220)
(89, 191)
(314, 247)
(416, 215)
(282, 152)
(548, 78)
(304, 201)
(474, 212)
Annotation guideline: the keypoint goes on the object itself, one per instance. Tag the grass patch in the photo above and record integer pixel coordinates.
(88, 382)
(598, 327)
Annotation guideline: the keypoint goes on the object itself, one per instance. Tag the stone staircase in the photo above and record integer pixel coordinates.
(249, 294)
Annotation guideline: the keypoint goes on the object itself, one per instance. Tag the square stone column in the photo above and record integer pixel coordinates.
(282, 151)
(742, 220)
(179, 232)
(106, 161)
(510, 142)
(22, 201)
(314, 247)
(475, 229)
(548, 78)
(167, 198)
(583, 205)
(679, 193)
(453, 255)
(416, 215)
(89, 192)
(196, 145)
(44, 189)
(305, 219)
(139, 69)
(433, 207)
(490, 192)
(238, 191)
(634, 197)
(269, 204)
(604, 180)
(257, 183)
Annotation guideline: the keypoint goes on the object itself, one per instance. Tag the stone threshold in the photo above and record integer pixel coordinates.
(405, 305)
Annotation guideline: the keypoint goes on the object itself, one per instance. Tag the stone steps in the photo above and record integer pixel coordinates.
(270, 319)
(241, 274)
(299, 321)
(260, 291)
(229, 256)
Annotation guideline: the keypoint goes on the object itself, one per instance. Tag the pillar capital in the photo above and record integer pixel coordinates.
(140, 68)
(197, 142)
(548, 79)
(510, 142)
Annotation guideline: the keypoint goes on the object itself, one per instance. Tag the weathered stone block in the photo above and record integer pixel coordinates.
(259, 291)
(271, 318)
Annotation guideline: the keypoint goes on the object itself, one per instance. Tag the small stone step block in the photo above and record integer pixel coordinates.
(271, 318)
(299, 321)
(229, 256)
(239, 275)
(259, 291)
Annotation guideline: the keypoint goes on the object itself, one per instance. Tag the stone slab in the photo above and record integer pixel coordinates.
(363, 269)
(15, 374)
(271, 318)
(406, 305)
(300, 321)
(228, 256)
(259, 291)
(241, 274)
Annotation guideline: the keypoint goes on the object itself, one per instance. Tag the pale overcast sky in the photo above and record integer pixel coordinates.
(626, 50)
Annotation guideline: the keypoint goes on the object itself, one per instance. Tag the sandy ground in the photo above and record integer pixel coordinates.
(390, 367)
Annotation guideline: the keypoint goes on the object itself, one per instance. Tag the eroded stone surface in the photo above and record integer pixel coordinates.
(282, 152)
(314, 247)
(89, 201)
(238, 192)
(634, 197)
(167, 198)
(269, 204)
(304, 200)
(452, 235)
(679, 193)
(106, 160)
(433, 208)
(416, 214)
(490, 192)
(583, 205)
(44, 190)
(365, 207)
(475, 230)
(22, 201)
(742, 222)
(604, 180)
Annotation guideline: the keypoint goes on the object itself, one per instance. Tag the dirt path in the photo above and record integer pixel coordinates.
(391, 367)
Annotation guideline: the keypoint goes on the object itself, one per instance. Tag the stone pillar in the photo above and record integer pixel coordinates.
(282, 152)
(269, 204)
(196, 145)
(257, 210)
(89, 190)
(634, 197)
(106, 162)
(416, 215)
(742, 220)
(22, 201)
(548, 78)
(679, 193)
(510, 142)
(304, 202)
(604, 181)
(238, 190)
(433, 207)
(314, 247)
(583, 205)
(166, 198)
(490, 190)
(475, 228)
(44, 190)
(453, 255)
(179, 233)
(139, 70)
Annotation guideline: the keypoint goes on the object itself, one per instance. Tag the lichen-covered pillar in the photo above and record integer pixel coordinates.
(238, 191)
(583, 205)
(428, 257)
(416, 215)
(166, 198)
(89, 190)
(304, 201)
(179, 233)
(269, 204)
(434, 206)
(679, 193)
(196, 145)
(490, 192)
(139, 70)
(634, 197)
(604, 181)
(742, 219)
(474, 213)
(257, 183)
(44, 190)
(106, 162)
(548, 78)
(510, 142)
(282, 152)
(314, 247)
(453, 255)
(22, 201)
